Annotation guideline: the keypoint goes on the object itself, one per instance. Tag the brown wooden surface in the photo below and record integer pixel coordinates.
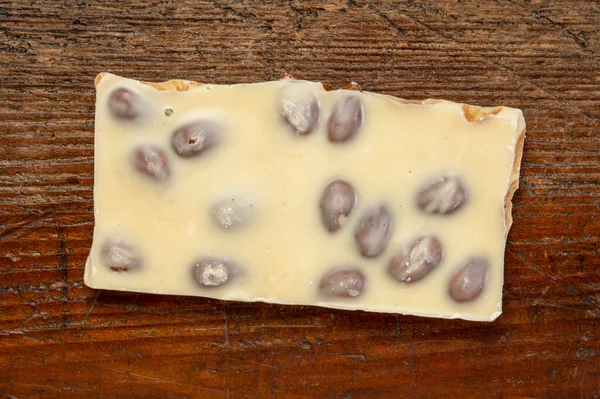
(59, 338)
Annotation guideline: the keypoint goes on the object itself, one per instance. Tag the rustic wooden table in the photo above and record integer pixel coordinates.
(59, 338)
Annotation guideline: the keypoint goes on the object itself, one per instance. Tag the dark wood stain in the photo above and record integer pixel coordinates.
(60, 339)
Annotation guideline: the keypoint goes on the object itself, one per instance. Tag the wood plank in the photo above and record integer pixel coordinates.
(60, 339)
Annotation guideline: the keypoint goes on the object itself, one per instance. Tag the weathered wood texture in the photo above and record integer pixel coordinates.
(60, 339)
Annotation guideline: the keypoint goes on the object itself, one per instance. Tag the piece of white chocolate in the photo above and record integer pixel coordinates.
(285, 192)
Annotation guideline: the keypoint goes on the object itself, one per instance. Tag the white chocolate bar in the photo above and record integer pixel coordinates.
(285, 192)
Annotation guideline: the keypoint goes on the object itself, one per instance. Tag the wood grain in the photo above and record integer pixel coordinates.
(60, 339)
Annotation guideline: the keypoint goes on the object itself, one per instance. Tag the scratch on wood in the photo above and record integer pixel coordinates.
(544, 91)
(278, 326)
(360, 356)
(9, 230)
(266, 365)
(398, 333)
(567, 288)
(538, 302)
(132, 304)
(90, 310)
(228, 346)
(390, 22)
(146, 377)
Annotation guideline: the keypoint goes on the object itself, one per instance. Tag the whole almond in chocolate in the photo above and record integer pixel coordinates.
(348, 283)
(345, 120)
(120, 256)
(374, 231)
(444, 195)
(151, 161)
(417, 260)
(337, 201)
(124, 104)
(213, 272)
(232, 212)
(302, 117)
(193, 139)
(468, 282)
(299, 107)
